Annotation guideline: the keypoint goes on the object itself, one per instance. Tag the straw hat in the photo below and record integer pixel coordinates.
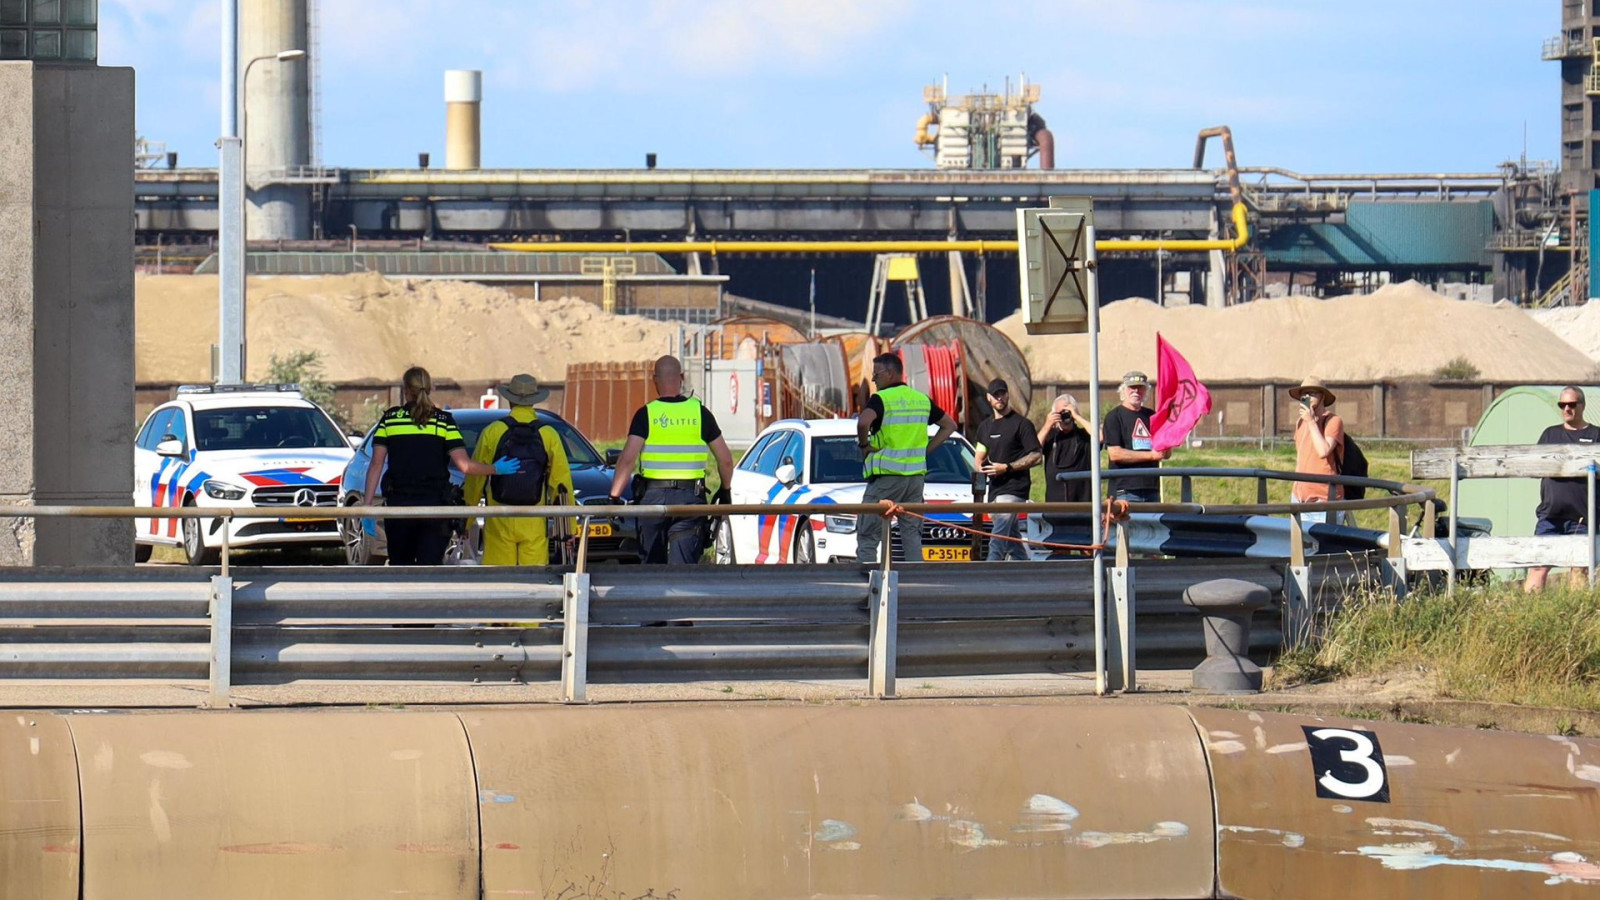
(523, 390)
(1313, 384)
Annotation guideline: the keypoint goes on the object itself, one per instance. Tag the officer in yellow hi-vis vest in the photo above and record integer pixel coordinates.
(893, 434)
(670, 438)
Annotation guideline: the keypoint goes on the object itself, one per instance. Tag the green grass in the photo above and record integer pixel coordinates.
(1491, 644)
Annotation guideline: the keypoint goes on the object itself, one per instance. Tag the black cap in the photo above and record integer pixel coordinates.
(998, 387)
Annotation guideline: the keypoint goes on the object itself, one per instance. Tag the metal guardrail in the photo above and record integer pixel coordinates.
(270, 626)
(615, 625)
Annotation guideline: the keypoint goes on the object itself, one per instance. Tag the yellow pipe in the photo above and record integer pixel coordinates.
(923, 138)
(1240, 221)
(1241, 227)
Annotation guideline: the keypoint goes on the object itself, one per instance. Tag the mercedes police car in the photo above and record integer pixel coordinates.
(817, 461)
(238, 446)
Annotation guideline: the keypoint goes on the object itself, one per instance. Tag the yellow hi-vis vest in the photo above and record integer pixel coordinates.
(673, 450)
(900, 446)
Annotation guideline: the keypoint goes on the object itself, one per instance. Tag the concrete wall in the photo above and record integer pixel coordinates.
(66, 308)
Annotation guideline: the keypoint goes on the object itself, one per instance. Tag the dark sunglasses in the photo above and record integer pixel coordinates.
(1574, 404)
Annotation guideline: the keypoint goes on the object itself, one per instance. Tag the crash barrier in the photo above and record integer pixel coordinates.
(616, 624)
(280, 626)
(912, 800)
(1456, 551)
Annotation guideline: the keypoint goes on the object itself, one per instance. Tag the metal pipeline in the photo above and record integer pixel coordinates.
(1047, 148)
(1235, 192)
(923, 138)
(1240, 221)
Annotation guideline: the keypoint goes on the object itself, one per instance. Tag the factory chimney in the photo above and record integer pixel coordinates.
(276, 126)
(463, 95)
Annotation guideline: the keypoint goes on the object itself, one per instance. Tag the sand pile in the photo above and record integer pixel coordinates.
(1397, 331)
(370, 327)
(1577, 325)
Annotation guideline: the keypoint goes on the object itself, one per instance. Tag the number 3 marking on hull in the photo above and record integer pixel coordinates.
(1348, 764)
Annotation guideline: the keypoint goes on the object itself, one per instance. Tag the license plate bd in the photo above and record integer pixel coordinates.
(304, 520)
(947, 554)
(599, 529)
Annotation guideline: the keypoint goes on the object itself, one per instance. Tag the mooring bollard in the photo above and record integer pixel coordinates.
(1225, 606)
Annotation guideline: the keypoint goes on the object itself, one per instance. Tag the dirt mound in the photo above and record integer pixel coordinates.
(370, 327)
(1397, 331)
(1577, 325)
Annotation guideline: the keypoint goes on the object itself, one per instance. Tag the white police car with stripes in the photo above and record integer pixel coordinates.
(805, 461)
(238, 446)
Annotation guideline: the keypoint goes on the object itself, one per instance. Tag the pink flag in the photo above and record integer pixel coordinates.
(1180, 398)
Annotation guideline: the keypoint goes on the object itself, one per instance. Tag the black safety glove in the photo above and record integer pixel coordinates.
(722, 496)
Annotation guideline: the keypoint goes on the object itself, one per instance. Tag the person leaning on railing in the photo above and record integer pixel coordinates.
(1563, 502)
(892, 433)
(670, 438)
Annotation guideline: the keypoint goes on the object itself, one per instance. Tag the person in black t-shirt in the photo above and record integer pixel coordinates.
(1064, 438)
(1126, 436)
(1012, 448)
(673, 440)
(1563, 502)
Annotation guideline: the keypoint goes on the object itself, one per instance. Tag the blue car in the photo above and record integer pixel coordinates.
(610, 540)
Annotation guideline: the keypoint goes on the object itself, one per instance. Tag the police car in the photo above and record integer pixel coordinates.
(818, 461)
(238, 446)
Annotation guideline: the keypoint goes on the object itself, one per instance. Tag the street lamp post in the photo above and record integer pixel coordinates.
(229, 367)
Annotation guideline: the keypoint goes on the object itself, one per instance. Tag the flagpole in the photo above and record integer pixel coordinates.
(1096, 522)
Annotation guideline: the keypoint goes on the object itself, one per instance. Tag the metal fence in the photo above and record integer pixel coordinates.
(258, 626)
(243, 626)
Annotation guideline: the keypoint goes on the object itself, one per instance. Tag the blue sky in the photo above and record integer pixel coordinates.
(1319, 86)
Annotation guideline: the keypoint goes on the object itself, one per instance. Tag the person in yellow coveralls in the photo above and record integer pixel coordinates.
(544, 477)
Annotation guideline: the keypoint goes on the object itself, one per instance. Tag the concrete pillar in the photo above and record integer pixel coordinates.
(66, 309)
(276, 125)
(463, 99)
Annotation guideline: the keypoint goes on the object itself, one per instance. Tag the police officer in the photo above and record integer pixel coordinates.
(418, 442)
(893, 435)
(669, 439)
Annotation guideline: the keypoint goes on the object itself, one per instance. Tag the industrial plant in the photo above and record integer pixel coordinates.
(1519, 232)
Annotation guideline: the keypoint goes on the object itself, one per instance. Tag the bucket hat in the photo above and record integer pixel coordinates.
(1313, 384)
(522, 390)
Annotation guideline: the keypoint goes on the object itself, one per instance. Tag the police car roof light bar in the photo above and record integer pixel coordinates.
(282, 388)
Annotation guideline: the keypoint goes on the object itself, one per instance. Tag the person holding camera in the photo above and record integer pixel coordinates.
(1318, 442)
(1064, 438)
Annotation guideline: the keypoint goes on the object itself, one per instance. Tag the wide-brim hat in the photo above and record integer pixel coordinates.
(1313, 384)
(522, 390)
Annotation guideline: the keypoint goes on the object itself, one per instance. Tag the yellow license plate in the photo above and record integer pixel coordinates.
(599, 529)
(947, 554)
(302, 521)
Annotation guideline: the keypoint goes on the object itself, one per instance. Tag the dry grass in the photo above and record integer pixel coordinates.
(1492, 644)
